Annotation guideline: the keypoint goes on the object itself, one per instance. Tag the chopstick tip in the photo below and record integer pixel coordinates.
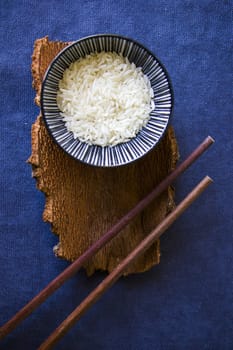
(208, 179)
(210, 139)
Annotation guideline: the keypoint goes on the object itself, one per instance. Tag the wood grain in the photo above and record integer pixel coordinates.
(82, 202)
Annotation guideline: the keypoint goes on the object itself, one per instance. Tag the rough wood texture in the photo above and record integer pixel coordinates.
(83, 201)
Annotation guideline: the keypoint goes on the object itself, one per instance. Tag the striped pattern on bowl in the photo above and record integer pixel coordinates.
(147, 137)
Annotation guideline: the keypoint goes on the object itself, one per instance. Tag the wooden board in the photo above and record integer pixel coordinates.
(82, 202)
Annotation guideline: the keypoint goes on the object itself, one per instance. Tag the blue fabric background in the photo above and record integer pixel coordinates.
(187, 301)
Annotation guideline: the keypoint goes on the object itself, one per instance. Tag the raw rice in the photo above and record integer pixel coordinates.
(104, 99)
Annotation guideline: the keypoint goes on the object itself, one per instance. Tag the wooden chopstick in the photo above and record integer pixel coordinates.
(110, 234)
(61, 330)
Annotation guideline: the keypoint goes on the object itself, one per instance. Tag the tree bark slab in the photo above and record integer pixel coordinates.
(82, 202)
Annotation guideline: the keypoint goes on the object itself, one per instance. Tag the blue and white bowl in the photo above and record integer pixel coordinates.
(148, 136)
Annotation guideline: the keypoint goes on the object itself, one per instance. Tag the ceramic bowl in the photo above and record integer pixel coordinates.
(146, 139)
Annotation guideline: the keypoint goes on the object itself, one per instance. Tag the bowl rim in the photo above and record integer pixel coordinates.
(142, 46)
